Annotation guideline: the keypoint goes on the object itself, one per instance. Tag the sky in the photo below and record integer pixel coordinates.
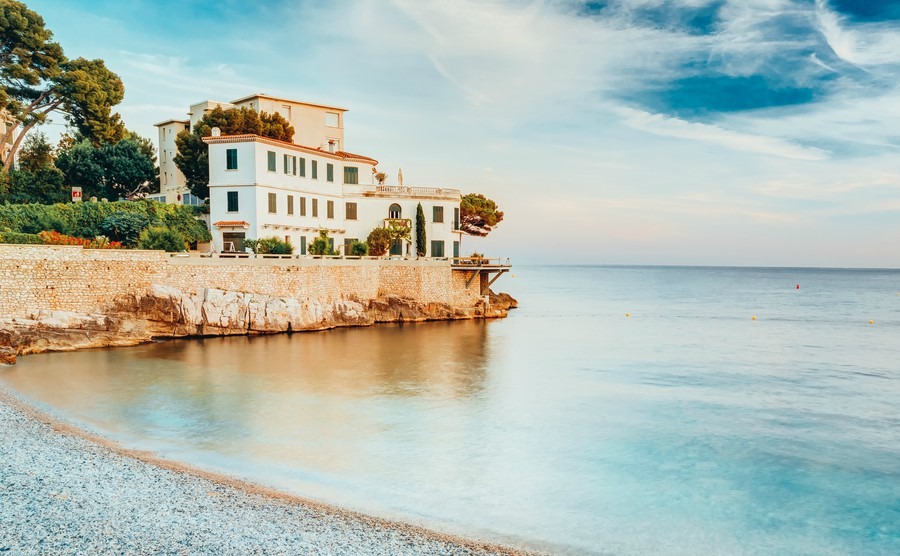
(671, 132)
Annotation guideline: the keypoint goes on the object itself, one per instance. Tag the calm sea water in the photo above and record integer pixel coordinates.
(684, 428)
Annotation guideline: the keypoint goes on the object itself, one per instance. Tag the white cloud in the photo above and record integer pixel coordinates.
(864, 44)
(659, 124)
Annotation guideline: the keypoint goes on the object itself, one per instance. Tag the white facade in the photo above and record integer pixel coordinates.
(172, 188)
(248, 200)
(293, 200)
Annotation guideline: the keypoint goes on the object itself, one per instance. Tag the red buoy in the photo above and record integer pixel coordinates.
(798, 286)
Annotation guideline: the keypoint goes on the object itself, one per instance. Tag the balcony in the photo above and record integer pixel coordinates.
(402, 191)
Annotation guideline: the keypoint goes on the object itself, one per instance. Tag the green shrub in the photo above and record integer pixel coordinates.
(321, 245)
(163, 239)
(20, 239)
(379, 241)
(269, 246)
(358, 249)
(125, 227)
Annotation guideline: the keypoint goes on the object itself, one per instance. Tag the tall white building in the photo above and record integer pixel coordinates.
(260, 187)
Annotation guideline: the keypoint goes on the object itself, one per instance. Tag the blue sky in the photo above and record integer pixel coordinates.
(713, 132)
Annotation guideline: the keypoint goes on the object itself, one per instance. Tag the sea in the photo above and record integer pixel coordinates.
(619, 410)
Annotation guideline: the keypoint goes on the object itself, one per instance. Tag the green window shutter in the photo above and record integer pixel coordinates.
(437, 248)
(329, 172)
(302, 244)
(437, 214)
(287, 167)
(303, 206)
(271, 161)
(351, 211)
(330, 209)
(351, 175)
(302, 167)
(231, 159)
(290, 205)
(273, 203)
(315, 169)
(232, 201)
(315, 208)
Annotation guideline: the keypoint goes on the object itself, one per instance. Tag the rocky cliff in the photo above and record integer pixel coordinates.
(167, 312)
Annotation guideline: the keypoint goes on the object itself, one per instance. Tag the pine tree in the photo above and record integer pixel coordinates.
(420, 231)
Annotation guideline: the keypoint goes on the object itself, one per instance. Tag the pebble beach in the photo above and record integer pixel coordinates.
(65, 491)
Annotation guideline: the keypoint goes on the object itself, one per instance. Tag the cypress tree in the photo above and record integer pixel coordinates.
(420, 231)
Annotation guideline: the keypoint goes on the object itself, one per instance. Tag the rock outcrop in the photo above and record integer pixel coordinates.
(167, 312)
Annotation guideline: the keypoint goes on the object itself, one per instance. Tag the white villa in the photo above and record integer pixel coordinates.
(260, 187)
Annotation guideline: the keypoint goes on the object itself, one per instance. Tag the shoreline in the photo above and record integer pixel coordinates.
(379, 535)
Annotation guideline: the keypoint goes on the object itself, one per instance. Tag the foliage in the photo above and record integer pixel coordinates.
(85, 219)
(162, 239)
(321, 245)
(45, 185)
(36, 79)
(193, 154)
(110, 171)
(99, 242)
(36, 154)
(378, 242)
(358, 249)
(20, 239)
(125, 227)
(478, 215)
(269, 246)
(420, 231)
(398, 228)
(380, 177)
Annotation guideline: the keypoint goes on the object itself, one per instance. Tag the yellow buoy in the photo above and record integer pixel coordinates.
(871, 322)
(627, 314)
(754, 317)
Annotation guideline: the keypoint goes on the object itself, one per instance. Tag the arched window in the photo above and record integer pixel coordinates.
(394, 211)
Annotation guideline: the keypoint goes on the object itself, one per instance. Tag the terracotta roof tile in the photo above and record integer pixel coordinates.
(231, 224)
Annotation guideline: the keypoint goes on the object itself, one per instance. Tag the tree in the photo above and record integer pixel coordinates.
(36, 180)
(420, 231)
(379, 241)
(478, 215)
(124, 227)
(193, 154)
(37, 79)
(110, 171)
(37, 153)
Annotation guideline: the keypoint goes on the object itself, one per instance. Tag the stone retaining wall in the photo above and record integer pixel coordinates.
(69, 278)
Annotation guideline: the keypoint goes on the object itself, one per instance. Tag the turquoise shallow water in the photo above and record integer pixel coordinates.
(684, 428)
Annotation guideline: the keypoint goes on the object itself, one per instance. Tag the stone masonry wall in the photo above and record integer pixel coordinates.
(64, 278)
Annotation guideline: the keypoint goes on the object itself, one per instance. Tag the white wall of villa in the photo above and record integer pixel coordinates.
(261, 187)
(249, 198)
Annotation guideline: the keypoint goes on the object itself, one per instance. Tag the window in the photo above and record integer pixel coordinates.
(330, 209)
(332, 119)
(315, 208)
(348, 245)
(302, 206)
(287, 164)
(351, 174)
(273, 203)
(396, 246)
(456, 249)
(437, 214)
(350, 210)
(437, 248)
(231, 159)
(456, 218)
(271, 161)
(293, 165)
(302, 244)
(290, 206)
(315, 169)
(232, 201)
(302, 167)
(394, 211)
(329, 172)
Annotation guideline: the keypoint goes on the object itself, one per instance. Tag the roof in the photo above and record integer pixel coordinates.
(231, 224)
(339, 155)
(280, 99)
(172, 121)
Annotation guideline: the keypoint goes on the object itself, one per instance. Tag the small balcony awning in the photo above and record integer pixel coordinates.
(232, 224)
